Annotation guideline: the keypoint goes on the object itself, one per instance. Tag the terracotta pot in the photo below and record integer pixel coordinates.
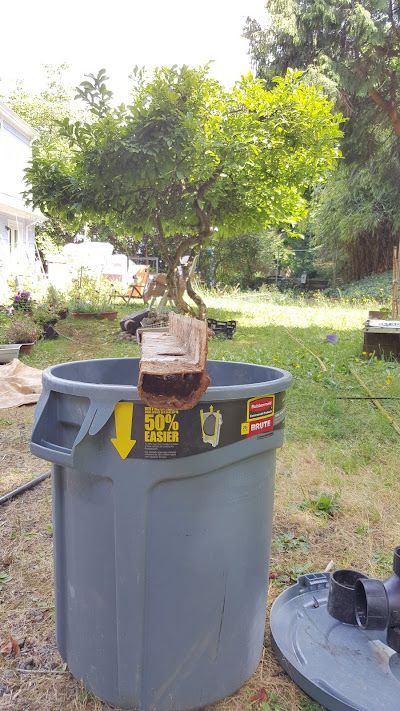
(26, 347)
(109, 315)
(85, 314)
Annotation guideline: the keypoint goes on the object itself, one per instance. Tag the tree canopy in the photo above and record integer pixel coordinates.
(187, 157)
(352, 49)
(353, 45)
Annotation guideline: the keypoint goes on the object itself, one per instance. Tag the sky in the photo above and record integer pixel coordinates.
(89, 35)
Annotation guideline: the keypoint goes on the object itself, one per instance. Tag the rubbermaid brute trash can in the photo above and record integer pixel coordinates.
(162, 528)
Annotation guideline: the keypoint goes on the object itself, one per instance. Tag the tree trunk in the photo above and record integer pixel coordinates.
(179, 283)
(389, 107)
(201, 307)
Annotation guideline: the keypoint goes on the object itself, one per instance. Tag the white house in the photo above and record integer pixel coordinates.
(17, 221)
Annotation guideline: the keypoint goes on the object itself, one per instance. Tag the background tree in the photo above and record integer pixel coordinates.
(352, 49)
(44, 110)
(356, 45)
(188, 159)
(247, 260)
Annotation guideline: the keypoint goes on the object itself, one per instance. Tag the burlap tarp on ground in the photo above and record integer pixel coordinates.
(19, 384)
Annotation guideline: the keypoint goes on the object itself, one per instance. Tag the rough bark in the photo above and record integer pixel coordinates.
(173, 365)
(201, 307)
(177, 283)
(389, 107)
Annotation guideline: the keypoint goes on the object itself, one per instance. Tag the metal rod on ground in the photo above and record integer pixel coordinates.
(376, 402)
(364, 397)
(24, 487)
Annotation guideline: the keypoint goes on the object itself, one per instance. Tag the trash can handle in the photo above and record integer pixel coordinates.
(96, 417)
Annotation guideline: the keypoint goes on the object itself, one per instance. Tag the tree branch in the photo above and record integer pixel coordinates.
(159, 226)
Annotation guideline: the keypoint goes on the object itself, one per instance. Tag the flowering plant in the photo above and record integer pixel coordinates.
(22, 300)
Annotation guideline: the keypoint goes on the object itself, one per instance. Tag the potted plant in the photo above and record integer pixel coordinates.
(24, 331)
(91, 299)
(105, 310)
(8, 351)
(84, 309)
(90, 309)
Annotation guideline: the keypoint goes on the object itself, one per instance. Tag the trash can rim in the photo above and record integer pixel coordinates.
(130, 392)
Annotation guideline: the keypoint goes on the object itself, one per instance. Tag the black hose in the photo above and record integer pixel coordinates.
(24, 487)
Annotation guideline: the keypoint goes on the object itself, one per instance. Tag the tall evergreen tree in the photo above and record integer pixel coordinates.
(354, 45)
(352, 49)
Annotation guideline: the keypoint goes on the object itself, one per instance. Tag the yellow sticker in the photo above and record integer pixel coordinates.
(244, 428)
(160, 426)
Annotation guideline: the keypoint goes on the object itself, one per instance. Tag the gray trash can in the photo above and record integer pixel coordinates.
(162, 529)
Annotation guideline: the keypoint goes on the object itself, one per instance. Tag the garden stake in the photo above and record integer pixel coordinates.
(67, 337)
(376, 402)
(321, 363)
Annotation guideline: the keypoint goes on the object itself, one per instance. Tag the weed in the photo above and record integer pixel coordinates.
(292, 573)
(85, 696)
(4, 578)
(289, 542)
(307, 704)
(361, 530)
(273, 703)
(323, 504)
(383, 562)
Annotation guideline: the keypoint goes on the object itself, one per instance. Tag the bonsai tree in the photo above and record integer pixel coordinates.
(188, 159)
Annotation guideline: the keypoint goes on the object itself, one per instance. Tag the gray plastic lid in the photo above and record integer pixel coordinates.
(339, 665)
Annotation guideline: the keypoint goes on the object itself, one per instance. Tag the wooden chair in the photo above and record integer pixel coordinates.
(136, 288)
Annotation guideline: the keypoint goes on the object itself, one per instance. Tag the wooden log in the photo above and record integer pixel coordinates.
(172, 371)
(131, 323)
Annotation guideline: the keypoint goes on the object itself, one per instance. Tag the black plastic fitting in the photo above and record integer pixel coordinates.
(377, 603)
(341, 595)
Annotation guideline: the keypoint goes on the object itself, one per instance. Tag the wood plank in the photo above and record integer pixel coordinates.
(173, 365)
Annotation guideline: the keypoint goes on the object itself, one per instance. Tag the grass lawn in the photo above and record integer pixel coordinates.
(337, 492)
